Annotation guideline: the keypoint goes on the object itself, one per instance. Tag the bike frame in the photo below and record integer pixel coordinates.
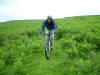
(49, 41)
(46, 47)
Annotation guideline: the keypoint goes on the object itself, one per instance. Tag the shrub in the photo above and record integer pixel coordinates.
(84, 48)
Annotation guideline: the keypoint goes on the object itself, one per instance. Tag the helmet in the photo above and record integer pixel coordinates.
(49, 17)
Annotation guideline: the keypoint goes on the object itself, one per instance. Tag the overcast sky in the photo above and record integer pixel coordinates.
(40, 9)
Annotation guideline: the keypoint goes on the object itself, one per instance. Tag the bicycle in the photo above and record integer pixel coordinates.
(47, 47)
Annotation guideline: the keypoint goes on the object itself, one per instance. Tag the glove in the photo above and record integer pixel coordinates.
(41, 33)
(54, 32)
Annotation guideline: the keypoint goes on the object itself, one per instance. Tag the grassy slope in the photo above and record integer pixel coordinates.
(76, 47)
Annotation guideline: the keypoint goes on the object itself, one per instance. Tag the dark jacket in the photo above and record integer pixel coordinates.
(49, 26)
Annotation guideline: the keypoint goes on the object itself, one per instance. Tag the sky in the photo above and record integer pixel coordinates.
(40, 9)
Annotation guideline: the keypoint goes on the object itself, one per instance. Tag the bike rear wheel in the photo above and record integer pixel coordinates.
(47, 50)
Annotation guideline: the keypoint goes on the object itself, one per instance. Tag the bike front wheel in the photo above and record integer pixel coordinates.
(47, 50)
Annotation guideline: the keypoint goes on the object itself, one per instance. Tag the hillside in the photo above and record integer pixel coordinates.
(77, 47)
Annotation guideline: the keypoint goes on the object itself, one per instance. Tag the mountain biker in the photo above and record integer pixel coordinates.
(51, 27)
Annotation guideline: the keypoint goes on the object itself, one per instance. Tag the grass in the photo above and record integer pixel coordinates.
(77, 45)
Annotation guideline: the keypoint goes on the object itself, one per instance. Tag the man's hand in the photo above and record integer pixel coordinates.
(54, 32)
(41, 33)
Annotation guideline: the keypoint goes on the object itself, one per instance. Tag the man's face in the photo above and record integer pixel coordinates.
(49, 20)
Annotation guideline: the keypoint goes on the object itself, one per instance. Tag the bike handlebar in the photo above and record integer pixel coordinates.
(47, 33)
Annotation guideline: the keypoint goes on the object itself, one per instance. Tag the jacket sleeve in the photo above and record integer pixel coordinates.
(43, 25)
(55, 26)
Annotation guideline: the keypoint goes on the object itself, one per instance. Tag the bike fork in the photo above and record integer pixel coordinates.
(49, 45)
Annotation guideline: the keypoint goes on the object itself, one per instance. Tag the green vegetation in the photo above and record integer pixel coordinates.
(77, 45)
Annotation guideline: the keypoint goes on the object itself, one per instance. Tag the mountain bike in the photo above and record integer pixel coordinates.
(48, 47)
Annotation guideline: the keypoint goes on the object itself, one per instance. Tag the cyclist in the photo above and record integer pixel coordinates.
(51, 27)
